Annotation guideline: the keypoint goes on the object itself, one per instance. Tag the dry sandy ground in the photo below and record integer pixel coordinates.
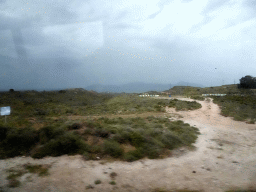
(225, 157)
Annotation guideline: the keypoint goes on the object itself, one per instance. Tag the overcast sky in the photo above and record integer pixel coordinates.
(76, 43)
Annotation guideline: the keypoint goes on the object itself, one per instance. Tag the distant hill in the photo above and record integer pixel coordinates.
(137, 87)
(104, 88)
(182, 83)
(189, 90)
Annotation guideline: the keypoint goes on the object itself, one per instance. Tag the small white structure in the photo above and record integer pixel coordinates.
(146, 95)
(220, 95)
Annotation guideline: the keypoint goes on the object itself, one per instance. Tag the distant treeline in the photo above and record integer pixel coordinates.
(247, 82)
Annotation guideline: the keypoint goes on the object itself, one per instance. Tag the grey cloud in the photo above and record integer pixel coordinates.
(12, 23)
(161, 5)
(19, 43)
(186, 1)
(122, 15)
(152, 16)
(58, 15)
(123, 26)
(230, 23)
(50, 61)
(55, 15)
(207, 19)
(250, 3)
(176, 46)
(212, 5)
(233, 23)
(164, 2)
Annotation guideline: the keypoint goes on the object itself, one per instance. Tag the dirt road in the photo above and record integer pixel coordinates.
(225, 158)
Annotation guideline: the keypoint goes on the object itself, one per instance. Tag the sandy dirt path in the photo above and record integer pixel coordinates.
(225, 158)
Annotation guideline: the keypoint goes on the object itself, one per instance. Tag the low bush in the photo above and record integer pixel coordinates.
(238, 118)
(122, 137)
(75, 126)
(49, 132)
(184, 105)
(240, 107)
(134, 155)
(112, 182)
(14, 183)
(251, 122)
(97, 182)
(137, 139)
(40, 111)
(170, 140)
(41, 170)
(18, 141)
(64, 144)
(3, 132)
(95, 149)
(150, 136)
(99, 132)
(112, 148)
(152, 151)
(200, 98)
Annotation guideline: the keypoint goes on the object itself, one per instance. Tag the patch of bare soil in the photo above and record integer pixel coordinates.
(224, 158)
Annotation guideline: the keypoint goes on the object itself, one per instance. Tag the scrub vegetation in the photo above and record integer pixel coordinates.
(126, 139)
(14, 174)
(184, 105)
(241, 107)
(198, 98)
(42, 124)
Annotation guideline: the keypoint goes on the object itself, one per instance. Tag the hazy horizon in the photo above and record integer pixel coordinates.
(76, 44)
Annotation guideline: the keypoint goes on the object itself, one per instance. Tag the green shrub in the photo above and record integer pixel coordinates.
(97, 182)
(134, 155)
(41, 170)
(64, 144)
(188, 138)
(95, 149)
(112, 182)
(152, 151)
(184, 105)
(238, 118)
(112, 148)
(88, 131)
(14, 183)
(154, 132)
(123, 137)
(252, 122)
(18, 141)
(75, 126)
(99, 132)
(170, 140)
(137, 139)
(150, 118)
(47, 133)
(200, 98)
(86, 155)
(39, 111)
(3, 132)
(239, 107)
(14, 174)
